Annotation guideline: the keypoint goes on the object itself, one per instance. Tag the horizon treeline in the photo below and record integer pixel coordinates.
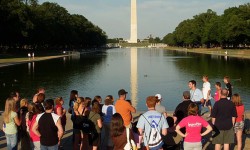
(229, 30)
(25, 24)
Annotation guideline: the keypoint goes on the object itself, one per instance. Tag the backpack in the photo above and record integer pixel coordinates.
(88, 126)
(154, 139)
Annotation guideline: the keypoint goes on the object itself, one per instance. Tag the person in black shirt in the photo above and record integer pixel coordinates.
(223, 119)
(229, 87)
(181, 111)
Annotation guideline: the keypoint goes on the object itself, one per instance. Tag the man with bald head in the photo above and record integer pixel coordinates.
(223, 118)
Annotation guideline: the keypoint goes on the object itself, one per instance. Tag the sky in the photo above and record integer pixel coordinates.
(154, 17)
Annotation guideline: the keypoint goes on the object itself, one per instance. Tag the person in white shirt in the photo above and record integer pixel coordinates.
(206, 91)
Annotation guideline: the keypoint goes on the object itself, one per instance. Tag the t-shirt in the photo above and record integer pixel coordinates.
(229, 88)
(181, 111)
(124, 108)
(47, 128)
(205, 89)
(108, 111)
(240, 113)
(94, 117)
(121, 141)
(11, 127)
(193, 126)
(160, 108)
(223, 111)
(196, 95)
(156, 119)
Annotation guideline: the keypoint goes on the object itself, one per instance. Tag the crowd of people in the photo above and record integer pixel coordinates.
(40, 124)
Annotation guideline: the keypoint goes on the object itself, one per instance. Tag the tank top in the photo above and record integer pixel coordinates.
(63, 118)
(33, 136)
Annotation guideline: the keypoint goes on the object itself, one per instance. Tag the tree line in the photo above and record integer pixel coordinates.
(229, 30)
(25, 24)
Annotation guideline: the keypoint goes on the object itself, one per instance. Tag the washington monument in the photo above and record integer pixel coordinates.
(133, 33)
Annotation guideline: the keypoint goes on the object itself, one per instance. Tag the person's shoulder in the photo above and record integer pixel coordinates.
(13, 114)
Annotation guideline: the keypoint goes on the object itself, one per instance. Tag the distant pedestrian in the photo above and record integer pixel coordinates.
(152, 125)
(124, 108)
(11, 121)
(48, 126)
(196, 95)
(160, 108)
(239, 123)
(223, 119)
(217, 92)
(33, 55)
(29, 55)
(193, 124)
(206, 90)
(229, 87)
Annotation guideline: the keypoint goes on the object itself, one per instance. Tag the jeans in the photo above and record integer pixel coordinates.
(11, 141)
(55, 147)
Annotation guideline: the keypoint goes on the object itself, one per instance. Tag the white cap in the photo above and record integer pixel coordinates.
(159, 96)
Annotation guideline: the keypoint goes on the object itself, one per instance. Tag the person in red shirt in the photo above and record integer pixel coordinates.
(239, 122)
(124, 108)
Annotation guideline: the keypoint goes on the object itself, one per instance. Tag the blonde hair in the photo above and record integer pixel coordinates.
(78, 102)
(9, 106)
(23, 102)
(237, 100)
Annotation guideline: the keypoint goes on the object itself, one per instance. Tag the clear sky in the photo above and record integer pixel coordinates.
(156, 17)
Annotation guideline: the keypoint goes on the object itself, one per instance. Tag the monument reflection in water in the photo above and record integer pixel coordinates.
(133, 76)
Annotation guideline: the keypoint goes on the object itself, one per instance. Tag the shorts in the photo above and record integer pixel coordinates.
(94, 139)
(239, 126)
(192, 145)
(224, 137)
(206, 104)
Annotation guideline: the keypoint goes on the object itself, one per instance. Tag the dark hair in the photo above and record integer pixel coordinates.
(40, 98)
(97, 97)
(95, 106)
(192, 109)
(13, 94)
(73, 94)
(193, 82)
(88, 99)
(227, 78)
(170, 121)
(48, 104)
(128, 100)
(218, 84)
(117, 127)
(109, 100)
(224, 92)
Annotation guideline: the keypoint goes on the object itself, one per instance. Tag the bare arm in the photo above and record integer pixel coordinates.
(213, 120)
(35, 129)
(59, 111)
(208, 95)
(175, 119)
(132, 109)
(17, 121)
(233, 120)
(209, 129)
(99, 123)
(164, 131)
(60, 129)
(179, 131)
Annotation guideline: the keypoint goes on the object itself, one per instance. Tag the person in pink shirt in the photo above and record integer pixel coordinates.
(193, 124)
(217, 92)
(30, 120)
(239, 122)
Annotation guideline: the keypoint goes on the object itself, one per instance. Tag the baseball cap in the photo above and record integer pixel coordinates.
(158, 96)
(122, 92)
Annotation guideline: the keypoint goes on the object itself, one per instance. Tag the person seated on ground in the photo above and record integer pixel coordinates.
(193, 124)
(152, 125)
(181, 111)
(119, 132)
(160, 108)
(39, 90)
